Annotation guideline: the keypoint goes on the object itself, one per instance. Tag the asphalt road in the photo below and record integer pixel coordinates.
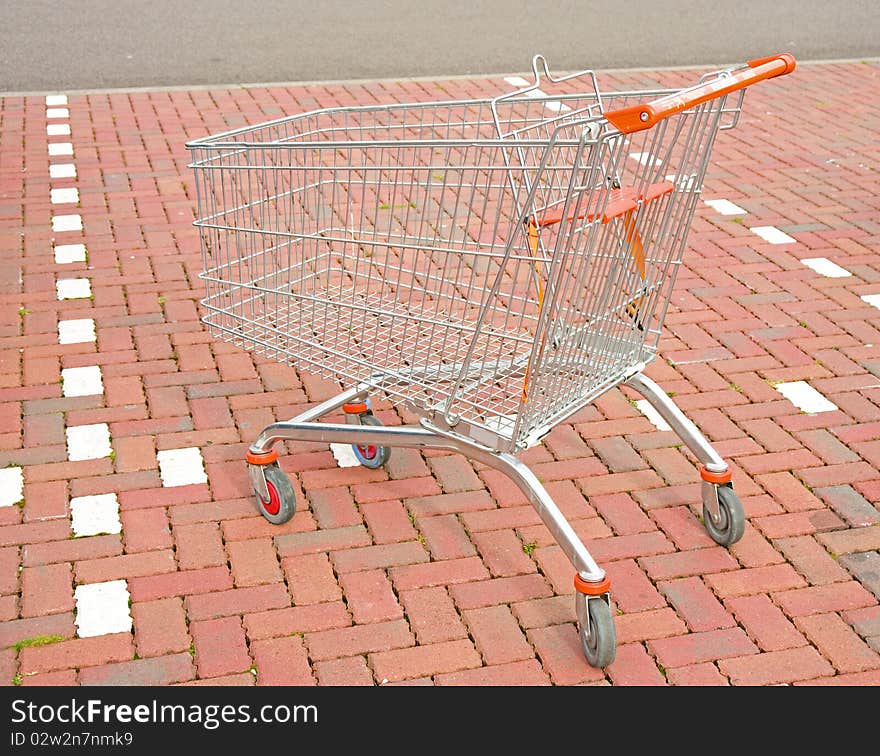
(88, 44)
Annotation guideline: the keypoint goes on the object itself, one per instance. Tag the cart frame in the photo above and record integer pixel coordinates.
(526, 149)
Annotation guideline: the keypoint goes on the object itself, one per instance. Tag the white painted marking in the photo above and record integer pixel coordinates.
(556, 107)
(645, 158)
(773, 235)
(69, 253)
(76, 331)
(181, 467)
(803, 396)
(82, 381)
(67, 223)
(88, 442)
(73, 288)
(518, 81)
(57, 129)
(62, 196)
(725, 207)
(684, 183)
(11, 486)
(873, 300)
(56, 99)
(648, 411)
(825, 267)
(62, 170)
(102, 608)
(57, 113)
(94, 515)
(60, 148)
(502, 423)
(344, 455)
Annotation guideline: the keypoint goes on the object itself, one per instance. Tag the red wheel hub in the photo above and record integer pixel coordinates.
(367, 452)
(272, 506)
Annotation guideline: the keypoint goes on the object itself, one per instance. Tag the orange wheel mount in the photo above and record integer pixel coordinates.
(355, 408)
(719, 479)
(591, 588)
(261, 459)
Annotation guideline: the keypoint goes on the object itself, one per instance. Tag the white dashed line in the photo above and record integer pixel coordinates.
(82, 381)
(69, 253)
(88, 442)
(725, 207)
(76, 331)
(60, 148)
(62, 170)
(555, 106)
(67, 223)
(684, 183)
(645, 158)
(73, 288)
(773, 235)
(181, 467)
(58, 129)
(56, 99)
(95, 515)
(825, 267)
(64, 196)
(803, 396)
(102, 608)
(11, 486)
(344, 455)
(57, 113)
(648, 411)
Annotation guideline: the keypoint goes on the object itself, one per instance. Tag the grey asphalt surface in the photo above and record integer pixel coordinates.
(89, 44)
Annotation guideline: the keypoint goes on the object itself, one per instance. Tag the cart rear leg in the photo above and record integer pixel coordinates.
(592, 585)
(723, 512)
(598, 637)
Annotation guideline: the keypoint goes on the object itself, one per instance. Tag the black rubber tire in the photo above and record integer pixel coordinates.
(599, 641)
(286, 497)
(383, 453)
(733, 518)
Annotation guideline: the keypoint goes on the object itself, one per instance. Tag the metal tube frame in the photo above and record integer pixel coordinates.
(683, 427)
(304, 427)
(424, 436)
(688, 433)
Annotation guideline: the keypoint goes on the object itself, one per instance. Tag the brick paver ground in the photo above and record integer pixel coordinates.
(434, 570)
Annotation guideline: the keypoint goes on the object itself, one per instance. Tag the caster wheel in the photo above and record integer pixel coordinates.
(732, 520)
(371, 456)
(596, 628)
(282, 498)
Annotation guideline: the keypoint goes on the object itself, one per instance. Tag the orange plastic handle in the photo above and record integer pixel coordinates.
(646, 115)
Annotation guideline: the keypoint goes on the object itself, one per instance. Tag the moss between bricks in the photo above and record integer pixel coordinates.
(37, 641)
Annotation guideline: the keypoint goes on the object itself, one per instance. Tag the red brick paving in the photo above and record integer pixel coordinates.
(437, 570)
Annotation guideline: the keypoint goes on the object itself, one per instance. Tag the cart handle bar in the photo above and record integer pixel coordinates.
(644, 116)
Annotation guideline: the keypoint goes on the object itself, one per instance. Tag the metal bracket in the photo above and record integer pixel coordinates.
(258, 481)
(709, 493)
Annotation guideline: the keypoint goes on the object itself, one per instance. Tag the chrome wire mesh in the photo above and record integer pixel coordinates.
(497, 264)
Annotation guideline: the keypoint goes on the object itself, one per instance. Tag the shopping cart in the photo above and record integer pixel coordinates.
(494, 265)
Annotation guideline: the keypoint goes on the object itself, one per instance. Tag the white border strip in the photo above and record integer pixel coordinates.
(803, 396)
(438, 77)
(824, 267)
